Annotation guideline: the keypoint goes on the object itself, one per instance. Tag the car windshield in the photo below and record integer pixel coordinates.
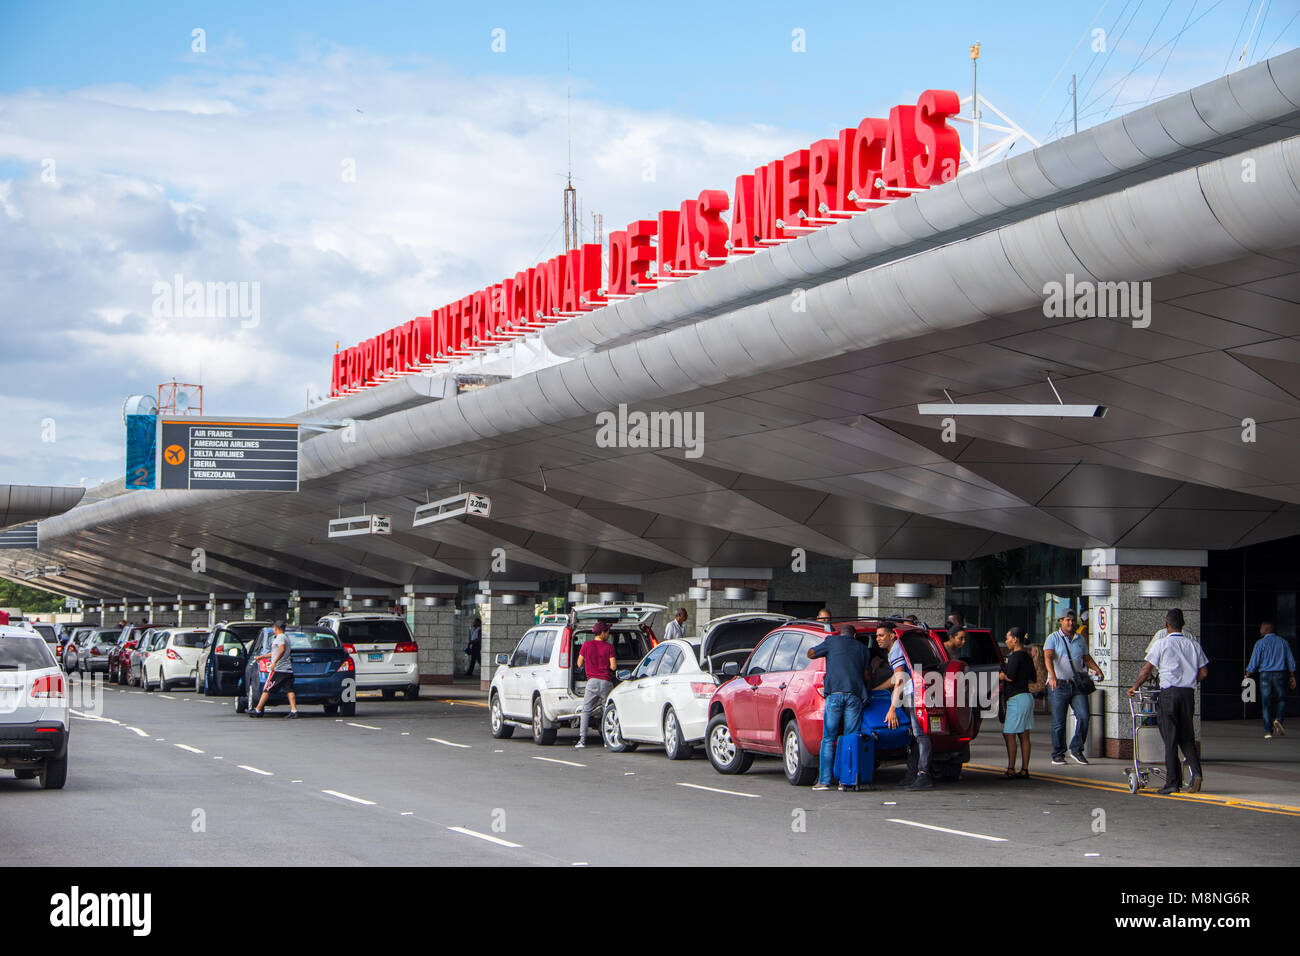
(190, 639)
(311, 640)
(46, 631)
(384, 631)
(24, 652)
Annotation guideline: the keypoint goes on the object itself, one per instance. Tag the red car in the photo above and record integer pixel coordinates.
(983, 655)
(773, 705)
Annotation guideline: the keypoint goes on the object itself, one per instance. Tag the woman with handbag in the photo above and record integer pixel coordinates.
(1017, 703)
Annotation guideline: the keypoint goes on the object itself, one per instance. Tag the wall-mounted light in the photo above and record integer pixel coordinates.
(1160, 589)
(912, 589)
(577, 597)
(697, 593)
(1094, 587)
(738, 594)
(862, 589)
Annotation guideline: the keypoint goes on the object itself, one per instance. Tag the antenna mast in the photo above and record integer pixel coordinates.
(571, 222)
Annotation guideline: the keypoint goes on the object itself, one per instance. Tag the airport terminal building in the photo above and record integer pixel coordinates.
(881, 375)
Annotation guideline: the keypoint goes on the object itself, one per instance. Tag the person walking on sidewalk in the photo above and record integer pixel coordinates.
(474, 648)
(596, 658)
(845, 686)
(1182, 664)
(1016, 676)
(280, 678)
(1274, 662)
(1068, 661)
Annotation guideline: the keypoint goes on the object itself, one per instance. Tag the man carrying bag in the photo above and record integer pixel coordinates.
(1068, 663)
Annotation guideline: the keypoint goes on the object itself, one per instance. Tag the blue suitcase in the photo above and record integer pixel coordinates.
(855, 760)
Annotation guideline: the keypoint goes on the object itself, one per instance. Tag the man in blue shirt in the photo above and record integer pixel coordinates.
(1273, 661)
(1066, 655)
(845, 686)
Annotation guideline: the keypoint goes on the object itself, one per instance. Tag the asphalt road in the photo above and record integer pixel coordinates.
(177, 779)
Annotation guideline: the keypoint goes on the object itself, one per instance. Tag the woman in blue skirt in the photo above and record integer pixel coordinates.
(1017, 674)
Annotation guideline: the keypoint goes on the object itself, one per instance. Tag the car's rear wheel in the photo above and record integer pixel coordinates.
(164, 684)
(144, 681)
(542, 735)
(413, 692)
(25, 774)
(331, 710)
(54, 773)
(348, 708)
(675, 745)
(611, 732)
(497, 719)
(797, 771)
(724, 753)
(949, 770)
(389, 693)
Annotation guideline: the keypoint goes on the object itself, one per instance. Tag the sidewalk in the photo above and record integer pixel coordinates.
(1241, 767)
(462, 690)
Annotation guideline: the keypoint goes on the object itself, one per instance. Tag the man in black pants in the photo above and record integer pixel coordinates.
(1182, 664)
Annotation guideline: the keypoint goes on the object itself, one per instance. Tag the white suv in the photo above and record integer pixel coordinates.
(383, 651)
(540, 685)
(33, 709)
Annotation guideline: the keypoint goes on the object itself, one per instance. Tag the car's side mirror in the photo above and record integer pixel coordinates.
(624, 675)
(731, 669)
(503, 658)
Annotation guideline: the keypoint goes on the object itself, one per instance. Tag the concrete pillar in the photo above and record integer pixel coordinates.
(904, 587)
(103, 614)
(721, 590)
(1140, 585)
(193, 610)
(266, 605)
(370, 600)
(162, 612)
(431, 615)
(507, 611)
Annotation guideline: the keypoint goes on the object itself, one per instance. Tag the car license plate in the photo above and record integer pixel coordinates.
(375, 657)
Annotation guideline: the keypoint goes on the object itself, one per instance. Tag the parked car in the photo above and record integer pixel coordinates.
(383, 651)
(146, 643)
(665, 699)
(323, 672)
(222, 640)
(73, 647)
(92, 652)
(773, 705)
(119, 655)
(33, 709)
(540, 686)
(50, 634)
(175, 658)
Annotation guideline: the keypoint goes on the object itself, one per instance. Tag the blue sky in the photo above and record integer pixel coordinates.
(127, 159)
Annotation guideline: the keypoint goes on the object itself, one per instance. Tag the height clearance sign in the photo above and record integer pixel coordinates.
(209, 454)
(862, 168)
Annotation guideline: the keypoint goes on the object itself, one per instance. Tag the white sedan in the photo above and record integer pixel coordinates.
(173, 658)
(33, 709)
(665, 699)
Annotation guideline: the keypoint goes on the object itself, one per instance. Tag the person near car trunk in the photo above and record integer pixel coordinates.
(1182, 664)
(280, 678)
(1017, 674)
(918, 776)
(955, 642)
(1066, 655)
(474, 648)
(845, 686)
(597, 659)
(676, 629)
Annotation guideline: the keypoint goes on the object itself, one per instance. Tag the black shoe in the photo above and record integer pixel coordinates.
(255, 713)
(908, 780)
(1195, 785)
(922, 782)
(1078, 757)
(1168, 789)
(291, 715)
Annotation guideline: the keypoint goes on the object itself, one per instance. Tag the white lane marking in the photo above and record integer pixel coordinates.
(218, 758)
(106, 720)
(295, 781)
(447, 743)
(348, 796)
(408, 813)
(734, 793)
(406, 733)
(1092, 854)
(264, 773)
(165, 697)
(193, 750)
(364, 726)
(138, 731)
(484, 836)
(927, 826)
(584, 863)
(567, 763)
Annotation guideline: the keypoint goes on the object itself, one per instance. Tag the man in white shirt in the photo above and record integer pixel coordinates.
(676, 628)
(1182, 664)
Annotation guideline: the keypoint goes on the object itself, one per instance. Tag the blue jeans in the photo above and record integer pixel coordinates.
(1272, 688)
(1064, 699)
(843, 714)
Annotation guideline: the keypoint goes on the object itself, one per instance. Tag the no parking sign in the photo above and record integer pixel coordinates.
(1103, 637)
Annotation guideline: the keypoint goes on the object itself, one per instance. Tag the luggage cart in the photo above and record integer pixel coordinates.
(1148, 744)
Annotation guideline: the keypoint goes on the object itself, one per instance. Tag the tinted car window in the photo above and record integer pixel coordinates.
(242, 632)
(649, 663)
(980, 649)
(192, 639)
(921, 651)
(24, 652)
(310, 639)
(628, 644)
(374, 632)
(544, 645)
(762, 655)
(783, 658)
(806, 643)
(672, 660)
(522, 652)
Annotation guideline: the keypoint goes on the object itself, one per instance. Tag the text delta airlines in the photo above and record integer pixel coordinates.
(914, 148)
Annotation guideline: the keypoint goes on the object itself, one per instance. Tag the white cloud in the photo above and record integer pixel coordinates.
(238, 177)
